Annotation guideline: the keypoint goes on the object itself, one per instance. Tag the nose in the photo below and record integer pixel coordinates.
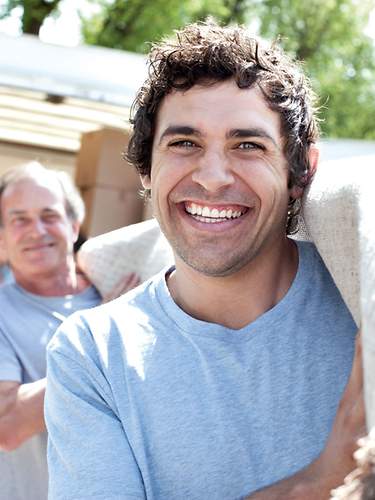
(213, 171)
(38, 227)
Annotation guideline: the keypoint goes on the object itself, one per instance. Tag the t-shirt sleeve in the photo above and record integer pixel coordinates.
(89, 456)
(10, 367)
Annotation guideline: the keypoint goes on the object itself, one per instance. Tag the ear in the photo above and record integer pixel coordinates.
(3, 252)
(314, 152)
(75, 230)
(146, 181)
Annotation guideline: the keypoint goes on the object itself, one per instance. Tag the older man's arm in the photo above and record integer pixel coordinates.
(21, 412)
(21, 405)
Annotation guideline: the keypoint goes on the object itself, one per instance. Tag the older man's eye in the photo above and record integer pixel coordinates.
(51, 217)
(19, 220)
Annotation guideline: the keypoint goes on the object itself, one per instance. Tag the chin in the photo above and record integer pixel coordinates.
(215, 269)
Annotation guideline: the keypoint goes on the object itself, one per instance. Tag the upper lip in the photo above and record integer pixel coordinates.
(37, 246)
(234, 206)
(219, 205)
(224, 203)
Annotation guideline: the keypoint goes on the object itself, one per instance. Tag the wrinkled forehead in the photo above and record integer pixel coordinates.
(33, 192)
(44, 180)
(218, 108)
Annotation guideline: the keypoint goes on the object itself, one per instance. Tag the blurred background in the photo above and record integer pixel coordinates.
(69, 70)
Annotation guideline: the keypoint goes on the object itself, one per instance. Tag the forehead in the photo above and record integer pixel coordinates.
(218, 107)
(29, 194)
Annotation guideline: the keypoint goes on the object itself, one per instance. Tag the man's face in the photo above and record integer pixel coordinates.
(37, 234)
(219, 176)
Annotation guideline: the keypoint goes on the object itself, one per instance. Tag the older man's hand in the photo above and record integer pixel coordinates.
(125, 284)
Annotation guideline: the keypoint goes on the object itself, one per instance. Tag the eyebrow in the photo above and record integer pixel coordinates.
(179, 130)
(238, 132)
(251, 132)
(18, 211)
(15, 211)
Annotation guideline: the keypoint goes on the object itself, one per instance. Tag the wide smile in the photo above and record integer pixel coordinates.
(214, 214)
(38, 248)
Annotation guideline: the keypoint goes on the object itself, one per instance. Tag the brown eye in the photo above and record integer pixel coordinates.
(249, 145)
(19, 221)
(183, 144)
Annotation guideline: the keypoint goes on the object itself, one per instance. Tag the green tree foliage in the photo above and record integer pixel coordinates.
(130, 24)
(34, 12)
(328, 35)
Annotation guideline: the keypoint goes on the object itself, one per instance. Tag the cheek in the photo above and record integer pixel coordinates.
(269, 188)
(264, 179)
(60, 232)
(168, 171)
(15, 236)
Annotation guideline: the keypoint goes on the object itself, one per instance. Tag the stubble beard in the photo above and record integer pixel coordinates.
(219, 266)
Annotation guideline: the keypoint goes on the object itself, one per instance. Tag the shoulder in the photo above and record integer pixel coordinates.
(11, 295)
(307, 250)
(319, 289)
(121, 324)
(8, 288)
(86, 299)
(310, 262)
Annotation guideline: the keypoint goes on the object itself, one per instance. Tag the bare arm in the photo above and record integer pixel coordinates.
(336, 461)
(21, 412)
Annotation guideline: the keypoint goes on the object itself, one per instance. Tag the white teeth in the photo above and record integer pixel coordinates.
(212, 213)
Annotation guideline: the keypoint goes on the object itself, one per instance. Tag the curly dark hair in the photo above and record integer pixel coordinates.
(206, 53)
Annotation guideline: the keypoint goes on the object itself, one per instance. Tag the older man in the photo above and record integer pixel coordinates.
(222, 377)
(41, 212)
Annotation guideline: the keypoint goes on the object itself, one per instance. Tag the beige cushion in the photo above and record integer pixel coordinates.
(139, 248)
(339, 213)
(331, 220)
(367, 248)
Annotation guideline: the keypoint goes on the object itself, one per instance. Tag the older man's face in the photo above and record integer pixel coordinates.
(37, 234)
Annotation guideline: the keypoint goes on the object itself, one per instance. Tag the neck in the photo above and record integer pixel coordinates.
(236, 300)
(54, 284)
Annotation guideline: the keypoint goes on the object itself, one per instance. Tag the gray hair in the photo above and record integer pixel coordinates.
(74, 205)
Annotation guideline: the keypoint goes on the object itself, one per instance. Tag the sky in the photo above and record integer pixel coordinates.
(66, 29)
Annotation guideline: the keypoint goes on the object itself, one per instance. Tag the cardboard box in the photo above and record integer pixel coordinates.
(100, 161)
(109, 208)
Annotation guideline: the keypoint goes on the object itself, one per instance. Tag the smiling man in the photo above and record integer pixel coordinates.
(41, 212)
(221, 377)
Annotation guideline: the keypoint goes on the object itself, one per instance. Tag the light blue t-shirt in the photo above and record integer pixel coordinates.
(27, 323)
(144, 401)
